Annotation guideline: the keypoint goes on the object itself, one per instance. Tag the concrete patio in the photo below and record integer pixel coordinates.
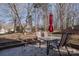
(34, 50)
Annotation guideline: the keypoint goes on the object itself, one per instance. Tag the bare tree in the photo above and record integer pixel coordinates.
(29, 15)
(46, 21)
(17, 21)
(63, 14)
(36, 7)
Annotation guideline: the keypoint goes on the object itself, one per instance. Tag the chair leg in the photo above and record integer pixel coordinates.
(70, 47)
(67, 51)
(40, 45)
(48, 43)
(59, 50)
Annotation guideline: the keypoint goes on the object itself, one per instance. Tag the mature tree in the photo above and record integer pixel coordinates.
(16, 18)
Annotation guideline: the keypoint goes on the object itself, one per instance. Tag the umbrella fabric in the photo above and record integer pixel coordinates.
(51, 22)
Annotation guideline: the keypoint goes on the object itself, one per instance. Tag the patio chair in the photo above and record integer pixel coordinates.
(59, 44)
(40, 36)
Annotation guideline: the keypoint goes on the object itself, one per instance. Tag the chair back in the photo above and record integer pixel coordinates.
(38, 34)
(45, 34)
(64, 39)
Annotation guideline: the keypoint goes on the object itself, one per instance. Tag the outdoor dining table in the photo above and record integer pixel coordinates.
(48, 39)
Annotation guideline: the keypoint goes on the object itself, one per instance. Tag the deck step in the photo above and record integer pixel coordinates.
(6, 45)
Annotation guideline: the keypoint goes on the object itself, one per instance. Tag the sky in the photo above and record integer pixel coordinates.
(5, 12)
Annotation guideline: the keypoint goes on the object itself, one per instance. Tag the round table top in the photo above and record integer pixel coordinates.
(50, 38)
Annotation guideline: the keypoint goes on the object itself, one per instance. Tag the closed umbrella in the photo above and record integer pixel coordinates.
(51, 22)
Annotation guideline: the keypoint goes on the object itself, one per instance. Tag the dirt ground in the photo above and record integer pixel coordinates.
(16, 36)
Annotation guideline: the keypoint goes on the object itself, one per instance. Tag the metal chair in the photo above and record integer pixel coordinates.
(61, 43)
(41, 37)
(38, 35)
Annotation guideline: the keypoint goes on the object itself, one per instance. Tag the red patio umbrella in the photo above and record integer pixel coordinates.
(51, 22)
